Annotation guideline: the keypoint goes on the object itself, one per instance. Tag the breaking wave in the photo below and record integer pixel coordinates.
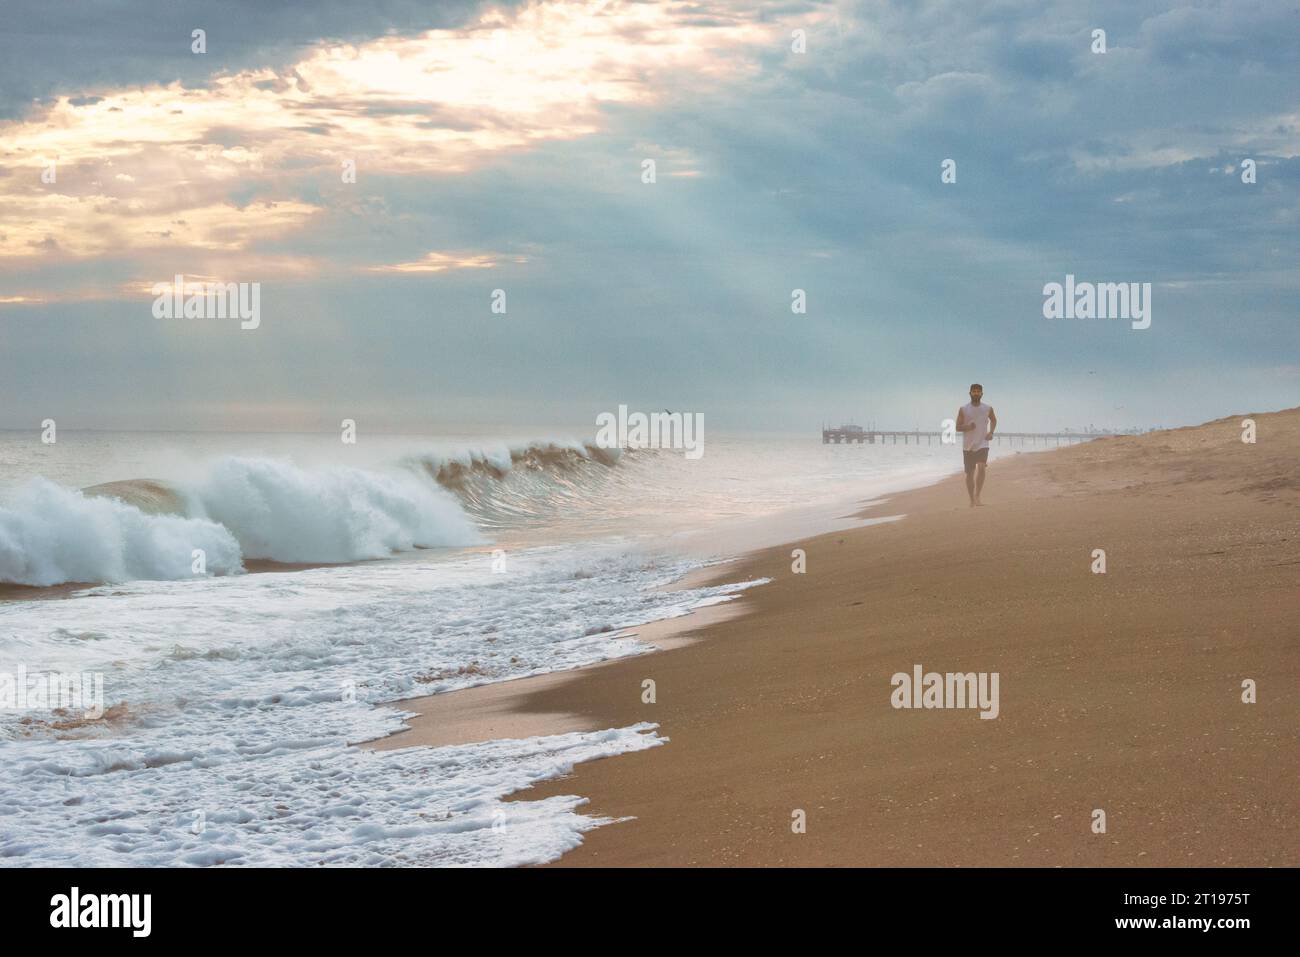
(455, 470)
(50, 534)
(284, 513)
(246, 508)
(509, 486)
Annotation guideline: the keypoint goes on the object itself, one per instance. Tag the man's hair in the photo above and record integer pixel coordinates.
(976, 385)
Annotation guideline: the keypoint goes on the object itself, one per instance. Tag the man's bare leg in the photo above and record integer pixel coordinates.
(979, 484)
(970, 487)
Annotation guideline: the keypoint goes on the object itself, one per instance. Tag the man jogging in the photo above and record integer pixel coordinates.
(976, 422)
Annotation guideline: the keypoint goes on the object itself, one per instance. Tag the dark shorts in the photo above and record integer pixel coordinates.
(971, 459)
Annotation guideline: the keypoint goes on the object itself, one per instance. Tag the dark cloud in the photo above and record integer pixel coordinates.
(50, 49)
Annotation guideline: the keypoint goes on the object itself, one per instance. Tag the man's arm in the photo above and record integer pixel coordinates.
(961, 421)
(993, 422)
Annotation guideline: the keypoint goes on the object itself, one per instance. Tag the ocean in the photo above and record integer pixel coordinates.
(254, 603)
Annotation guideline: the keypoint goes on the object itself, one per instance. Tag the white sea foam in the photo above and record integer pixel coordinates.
(238, 697)
(50, 534)
(297, 803)
(319, 804)
(242, 508)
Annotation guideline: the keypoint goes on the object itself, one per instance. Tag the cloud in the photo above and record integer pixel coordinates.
(47, 49)
(442, 262)
(132, 163)
(818, 171)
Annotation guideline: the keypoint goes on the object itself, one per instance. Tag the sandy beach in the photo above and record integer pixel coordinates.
(1120, 691)
(476, 436)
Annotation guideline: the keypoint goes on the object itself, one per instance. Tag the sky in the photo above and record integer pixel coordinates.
(796, 146)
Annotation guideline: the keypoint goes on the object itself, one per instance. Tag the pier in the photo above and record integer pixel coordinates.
(849, 434)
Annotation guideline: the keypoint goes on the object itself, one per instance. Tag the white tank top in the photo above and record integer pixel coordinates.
(978, 437)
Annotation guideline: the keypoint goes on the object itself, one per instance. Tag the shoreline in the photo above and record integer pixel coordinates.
(499, 709)
(737, 538)
(1120, 692)
(12, 591)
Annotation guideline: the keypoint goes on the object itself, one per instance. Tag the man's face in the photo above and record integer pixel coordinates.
(976, 395)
